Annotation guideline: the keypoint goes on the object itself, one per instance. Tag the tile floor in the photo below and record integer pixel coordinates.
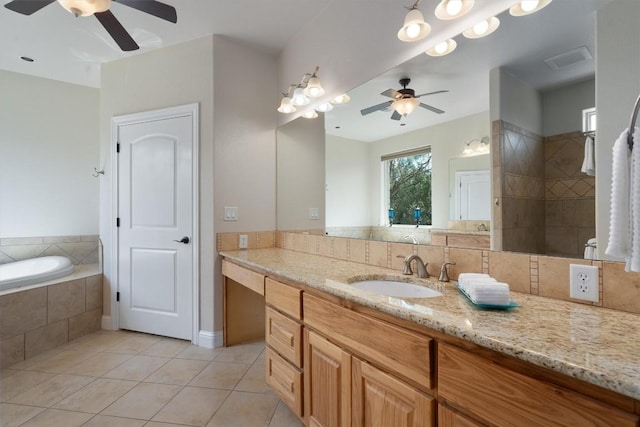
(129, 379)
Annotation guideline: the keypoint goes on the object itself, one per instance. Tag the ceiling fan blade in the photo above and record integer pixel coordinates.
(373, 108)
(396, 115)
(432, 93)
(27, 7)
(392, 94)
(430, 108)
(152, 7)
(117, 31)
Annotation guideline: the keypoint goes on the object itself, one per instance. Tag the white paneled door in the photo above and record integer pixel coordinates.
(155, 233)
(473, 201)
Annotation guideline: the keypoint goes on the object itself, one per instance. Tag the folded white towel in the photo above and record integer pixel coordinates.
(465, 276)
(489, 293)
(633, 261)
(618, 245)
(467, 282)
(589, 162)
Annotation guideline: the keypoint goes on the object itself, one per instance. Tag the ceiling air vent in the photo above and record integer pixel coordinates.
(569, 58)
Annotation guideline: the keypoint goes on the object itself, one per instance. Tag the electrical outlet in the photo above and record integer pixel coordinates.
(584, 282)
(243, 241)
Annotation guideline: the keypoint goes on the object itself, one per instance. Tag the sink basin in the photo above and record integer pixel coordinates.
(394, 288)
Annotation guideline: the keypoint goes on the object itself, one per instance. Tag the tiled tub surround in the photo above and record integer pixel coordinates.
(587, 343)
(39, 317)
(79, 249)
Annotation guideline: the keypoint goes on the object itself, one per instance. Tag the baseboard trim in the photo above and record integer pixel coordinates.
(106, 323)
(209, 339)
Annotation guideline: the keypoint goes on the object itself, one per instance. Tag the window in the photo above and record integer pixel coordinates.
(408, 185)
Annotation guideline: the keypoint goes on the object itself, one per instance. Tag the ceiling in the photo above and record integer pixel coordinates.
(71, 49)
(520, 45)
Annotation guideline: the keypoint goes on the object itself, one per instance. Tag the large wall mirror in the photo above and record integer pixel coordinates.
(507, 107)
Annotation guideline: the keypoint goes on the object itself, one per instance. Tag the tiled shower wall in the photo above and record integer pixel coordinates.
(570, 207)
(79, 249)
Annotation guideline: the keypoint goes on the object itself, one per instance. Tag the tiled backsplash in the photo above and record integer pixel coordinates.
(533, 274)
(79, 249)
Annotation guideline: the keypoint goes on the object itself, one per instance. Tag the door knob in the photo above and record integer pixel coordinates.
(184, 240)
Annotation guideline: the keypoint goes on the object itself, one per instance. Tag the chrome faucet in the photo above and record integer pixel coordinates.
(422, 266)
(444, 275)
(411, 237)
(481, 227)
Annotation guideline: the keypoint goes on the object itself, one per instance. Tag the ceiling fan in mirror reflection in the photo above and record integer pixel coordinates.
(404, 101)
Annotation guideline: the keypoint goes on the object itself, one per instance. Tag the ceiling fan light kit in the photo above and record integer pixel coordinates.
(414, 28)
(405, 106)
(527, 7)
(482, 28)
(443, 48)
(452, 9)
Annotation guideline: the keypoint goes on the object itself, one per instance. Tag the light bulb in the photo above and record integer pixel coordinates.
(286, 107)
(441, 47)
(454, 7)
(413, 31)
(314, 89)
(324, 107)
(299, 97)
(341, 99)
(529, 5)
(310, 114)
(481, 27)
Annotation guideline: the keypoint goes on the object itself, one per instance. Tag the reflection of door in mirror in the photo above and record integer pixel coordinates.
(473, 195)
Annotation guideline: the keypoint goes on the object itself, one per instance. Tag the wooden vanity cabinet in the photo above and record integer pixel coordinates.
(283, 337)
(502, 397)
(450, 418)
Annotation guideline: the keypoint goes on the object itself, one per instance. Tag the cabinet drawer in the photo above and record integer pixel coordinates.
(394, 349)
(248, 278)
(285, 380)
(506, 398)
(449, 418)
(284, 336)
(283, 297)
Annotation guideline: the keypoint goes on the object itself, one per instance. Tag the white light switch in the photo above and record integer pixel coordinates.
(314, 213)
(230, 213)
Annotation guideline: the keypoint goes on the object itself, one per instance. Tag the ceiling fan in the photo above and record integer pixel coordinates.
(404, 101)
(100, 8)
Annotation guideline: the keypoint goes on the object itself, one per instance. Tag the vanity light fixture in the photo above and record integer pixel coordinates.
(311, 114)
(314, 89)
(414, 28)
(476, 147)
(84, 7)
(405, 106)
(443, 48)
(526, 7)
(482, 29)
(286, 106)
(299, 98)
(452, 9)
(341, 99)
(324, 107)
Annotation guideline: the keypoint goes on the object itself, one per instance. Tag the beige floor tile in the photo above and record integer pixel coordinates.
(137, 368)
(254, 380)
(14, 415)
(177, 371)
(244, 353)
(192, 406)
(199, 353)
(134, 344)
(246, 410)
(98, 365)
(143, 401)
(52, 390)
(283, 417)
(96, 396)
(57, 418)
(6, 373)
(96, 342)
(20, 382)
(58, 362)
(167, 347)
(105, 421)
(159, 424)
(220, 375)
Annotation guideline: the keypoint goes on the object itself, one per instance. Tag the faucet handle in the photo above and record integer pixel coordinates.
(444, 275)
(406, 270)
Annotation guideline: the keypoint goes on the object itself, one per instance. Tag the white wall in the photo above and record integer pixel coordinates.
(562, 107)
(617, 87)
(48, 149)
(515, 102)
(447, 140)
(347, 176)
(300, 174)
(175, 75)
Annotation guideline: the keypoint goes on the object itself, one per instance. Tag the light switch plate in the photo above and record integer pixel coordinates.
(314, 213)
(230, 213)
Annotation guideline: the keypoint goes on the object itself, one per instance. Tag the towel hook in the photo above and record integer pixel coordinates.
(632, 126)
(96, 173)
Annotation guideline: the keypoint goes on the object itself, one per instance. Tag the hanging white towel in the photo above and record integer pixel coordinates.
(618, 245)
(633, 261)
(589, 163)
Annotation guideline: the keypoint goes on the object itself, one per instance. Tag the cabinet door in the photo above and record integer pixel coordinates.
(380, 400)
(327, 381)
(448, 418)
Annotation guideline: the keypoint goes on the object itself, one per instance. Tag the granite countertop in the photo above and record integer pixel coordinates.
(593, 344)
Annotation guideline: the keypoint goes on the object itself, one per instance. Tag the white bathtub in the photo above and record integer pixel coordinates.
(35, 270)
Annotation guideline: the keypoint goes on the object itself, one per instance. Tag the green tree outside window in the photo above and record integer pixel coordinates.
(410, 187)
